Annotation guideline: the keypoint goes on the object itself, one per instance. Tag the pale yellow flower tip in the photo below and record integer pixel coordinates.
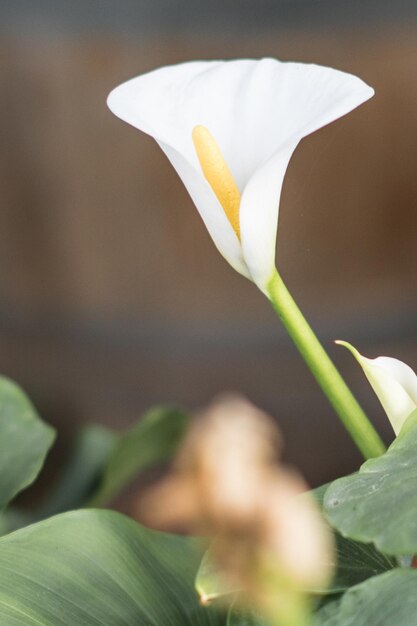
(351, 349)
(218, 174)
(204, 599)
(394, 383)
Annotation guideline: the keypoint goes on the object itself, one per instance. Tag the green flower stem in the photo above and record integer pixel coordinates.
(346, 406)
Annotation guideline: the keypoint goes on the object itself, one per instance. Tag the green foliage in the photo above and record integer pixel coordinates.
(99, 568)
(379, 503)
(241, 617)
(24, 441)
(385, 600)
(103, 461)
(152, 440)
(91, 567)
(81, 476)
(355, 561)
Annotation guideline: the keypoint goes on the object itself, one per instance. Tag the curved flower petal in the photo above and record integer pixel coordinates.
(394, 383)
(301, 98)
(257, 112)
(259, 218)
(167, 104)
(212, 213)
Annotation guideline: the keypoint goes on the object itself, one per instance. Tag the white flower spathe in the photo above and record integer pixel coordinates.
(256, 112)
(394, 383)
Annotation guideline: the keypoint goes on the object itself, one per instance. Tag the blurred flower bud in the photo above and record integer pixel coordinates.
(270, 540)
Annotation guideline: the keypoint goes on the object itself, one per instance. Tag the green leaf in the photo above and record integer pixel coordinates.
(24, 441)
(379, 503)
(153, 440)
(241, 617)
(12, 518)
(326, 612)
(103, 461)
(92, 450)
(355, 561)
(385, 600)
(99, 568)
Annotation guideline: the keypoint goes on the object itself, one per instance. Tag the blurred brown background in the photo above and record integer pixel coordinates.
(112, 295)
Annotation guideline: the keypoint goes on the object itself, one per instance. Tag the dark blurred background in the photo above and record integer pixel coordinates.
(113, 297)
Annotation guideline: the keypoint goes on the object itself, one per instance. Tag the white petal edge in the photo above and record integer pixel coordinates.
(212, 214)
(324, 95)
(259, 219)
(394, 383)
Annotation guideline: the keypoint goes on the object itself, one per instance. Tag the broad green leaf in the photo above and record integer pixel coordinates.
(103, 462)
(99, 568)
(386, 600)
(12, 518)
(324, 615)
(246, 617)
(355, 561)
(241, 617)
(379, 503)
(153, 440)
(91, 452)
(24, 441)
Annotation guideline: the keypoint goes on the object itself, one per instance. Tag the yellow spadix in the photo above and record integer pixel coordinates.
(218, 174)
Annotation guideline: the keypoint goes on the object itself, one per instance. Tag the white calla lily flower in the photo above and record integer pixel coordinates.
(229, 128)
(394, 383)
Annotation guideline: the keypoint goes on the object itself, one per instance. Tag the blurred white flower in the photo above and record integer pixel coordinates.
(271, 542)
(394, 383)
(229, 128)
